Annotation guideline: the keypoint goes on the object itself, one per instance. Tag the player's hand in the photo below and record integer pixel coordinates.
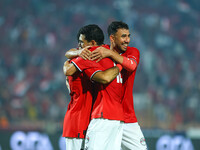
(85, 53)
(100, 53)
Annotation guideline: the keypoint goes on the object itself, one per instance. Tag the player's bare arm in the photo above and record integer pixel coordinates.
(108, 75)
(67, 83)
(103, 77)
(102, 52)
(70, 54)
(84, 53)
(69, 69)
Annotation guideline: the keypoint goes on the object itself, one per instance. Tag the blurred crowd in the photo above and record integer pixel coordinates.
(35, 34)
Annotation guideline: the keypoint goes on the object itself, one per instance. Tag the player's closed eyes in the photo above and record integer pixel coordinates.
(124, 35)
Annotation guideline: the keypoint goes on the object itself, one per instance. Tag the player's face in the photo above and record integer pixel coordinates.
(121, 39)
(82, 42)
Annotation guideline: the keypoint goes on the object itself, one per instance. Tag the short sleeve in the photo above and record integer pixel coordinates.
(87, 66)
(133, 53)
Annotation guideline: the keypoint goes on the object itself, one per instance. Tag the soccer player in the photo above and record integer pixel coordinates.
(105, 128)
(129, 59)
(78, 113)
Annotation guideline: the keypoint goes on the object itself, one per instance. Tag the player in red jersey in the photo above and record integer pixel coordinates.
(107, 112)
(77, 116)
(128, 57)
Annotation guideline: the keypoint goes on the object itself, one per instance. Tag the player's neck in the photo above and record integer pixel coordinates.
(117, 50)
(112, 47)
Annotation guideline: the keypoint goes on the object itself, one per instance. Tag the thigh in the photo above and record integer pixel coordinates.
(132, 137)
(104, 134)
(74, 144)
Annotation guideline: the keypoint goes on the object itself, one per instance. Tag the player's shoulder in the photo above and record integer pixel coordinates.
(132, 50)
(93, 48)
(106, 46)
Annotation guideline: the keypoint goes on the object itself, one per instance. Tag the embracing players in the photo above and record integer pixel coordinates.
(128, 57)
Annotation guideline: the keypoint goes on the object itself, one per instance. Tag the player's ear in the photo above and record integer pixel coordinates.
(93, 43)
(112, 38)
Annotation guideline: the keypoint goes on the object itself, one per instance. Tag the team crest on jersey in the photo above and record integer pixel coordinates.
(142, 141)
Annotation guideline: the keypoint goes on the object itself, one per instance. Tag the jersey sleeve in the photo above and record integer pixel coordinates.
(87, 66)
(134, 54)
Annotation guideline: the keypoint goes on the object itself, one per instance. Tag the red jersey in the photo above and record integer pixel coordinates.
(78, 112)
(128, 82)
(108, 102)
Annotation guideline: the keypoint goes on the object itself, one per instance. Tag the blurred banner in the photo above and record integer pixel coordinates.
(36, 140)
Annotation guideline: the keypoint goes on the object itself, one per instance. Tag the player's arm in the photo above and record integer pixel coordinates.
(102, 52)
(84, 53)
(94, 70)
(67, 84)
(72, 53)
(69, 68)
(103, 77)
(108, 75)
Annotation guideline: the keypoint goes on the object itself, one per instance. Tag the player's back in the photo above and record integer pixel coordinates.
(77, 116)
(108, 102)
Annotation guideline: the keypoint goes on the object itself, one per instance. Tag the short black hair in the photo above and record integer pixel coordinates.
(115, 25)
(92, 32)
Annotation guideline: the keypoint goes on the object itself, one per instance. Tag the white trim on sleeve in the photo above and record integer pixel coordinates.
(76, 66)
(94, 74)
